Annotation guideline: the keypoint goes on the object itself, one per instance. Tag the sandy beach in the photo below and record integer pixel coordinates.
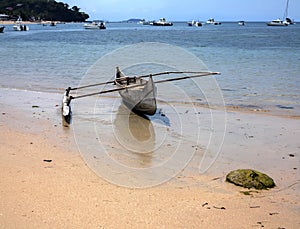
(24, 22)
(47, 183)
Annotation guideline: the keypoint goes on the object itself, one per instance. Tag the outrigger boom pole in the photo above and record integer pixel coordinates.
(144, 76)
(133, 86)
(106, 91)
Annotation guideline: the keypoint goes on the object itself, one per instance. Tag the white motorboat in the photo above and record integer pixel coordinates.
(277, 22)
(161, 22)
(212, 21)
(95, 25)
(19, 26)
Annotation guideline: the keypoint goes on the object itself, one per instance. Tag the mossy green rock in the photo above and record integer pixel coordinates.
(249, 178)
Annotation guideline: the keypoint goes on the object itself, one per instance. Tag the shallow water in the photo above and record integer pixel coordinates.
(259, 64)
(260, 70)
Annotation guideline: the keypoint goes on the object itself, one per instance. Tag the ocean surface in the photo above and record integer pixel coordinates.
(259, 65)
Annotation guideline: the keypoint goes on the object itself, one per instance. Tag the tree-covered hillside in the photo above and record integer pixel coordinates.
(42, 10)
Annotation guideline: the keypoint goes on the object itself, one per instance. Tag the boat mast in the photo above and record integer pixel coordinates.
(286, 10)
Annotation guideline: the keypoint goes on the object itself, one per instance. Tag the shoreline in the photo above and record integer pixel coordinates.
(28, 22)
(279, 112)
(46, 182)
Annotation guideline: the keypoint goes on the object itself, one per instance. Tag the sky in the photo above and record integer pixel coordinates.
(184, 10)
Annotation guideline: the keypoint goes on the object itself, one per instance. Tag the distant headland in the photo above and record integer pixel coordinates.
(34, 10)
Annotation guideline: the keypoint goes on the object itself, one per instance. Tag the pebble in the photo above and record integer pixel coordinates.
(47, 160)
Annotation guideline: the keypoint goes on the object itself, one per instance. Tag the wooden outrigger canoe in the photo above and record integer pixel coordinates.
(137, 93)
(141, 98)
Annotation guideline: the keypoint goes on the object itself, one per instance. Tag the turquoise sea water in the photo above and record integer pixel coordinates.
(260, 65)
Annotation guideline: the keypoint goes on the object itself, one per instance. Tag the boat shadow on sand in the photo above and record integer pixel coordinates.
(137, 133)
(138, 126)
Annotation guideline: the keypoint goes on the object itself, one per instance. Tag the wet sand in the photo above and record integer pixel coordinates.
(47, 181)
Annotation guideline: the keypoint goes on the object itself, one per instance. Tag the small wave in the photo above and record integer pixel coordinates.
(228, 89)
(285, 107)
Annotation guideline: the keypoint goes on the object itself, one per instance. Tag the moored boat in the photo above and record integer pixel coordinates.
(139, 95)
(212, 21)
(95, 25)
(287, 20)
(277, 22)
(241, 23)
(161, 22)
(53, 23)
(195, 23)
(19, 26)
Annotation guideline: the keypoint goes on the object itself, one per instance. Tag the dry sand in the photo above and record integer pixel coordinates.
(45, 183)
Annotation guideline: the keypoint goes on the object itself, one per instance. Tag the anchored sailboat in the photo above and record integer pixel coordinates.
(286, 20)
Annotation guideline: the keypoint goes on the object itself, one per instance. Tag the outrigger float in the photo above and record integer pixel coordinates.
(137, 93)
